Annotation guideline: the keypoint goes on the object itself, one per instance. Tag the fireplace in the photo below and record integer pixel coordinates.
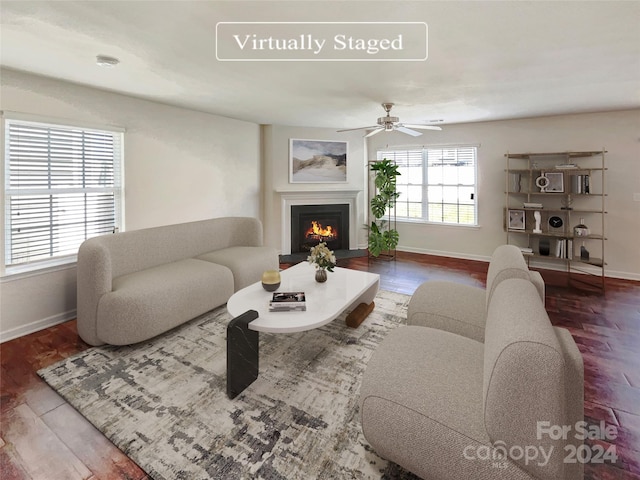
(312, 224)
(327, 198)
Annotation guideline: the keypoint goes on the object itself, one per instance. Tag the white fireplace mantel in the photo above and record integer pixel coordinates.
(318, 197)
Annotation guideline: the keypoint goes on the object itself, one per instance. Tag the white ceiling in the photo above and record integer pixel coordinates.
(487, 60)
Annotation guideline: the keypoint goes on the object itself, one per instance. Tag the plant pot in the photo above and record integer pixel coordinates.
(384, 255)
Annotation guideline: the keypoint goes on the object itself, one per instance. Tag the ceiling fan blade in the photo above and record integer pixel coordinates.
(359, 128)
(422, 127)
(408, 131)
(373, 132)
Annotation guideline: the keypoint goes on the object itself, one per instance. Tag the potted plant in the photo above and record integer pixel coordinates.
(323, 259)
(382, 237)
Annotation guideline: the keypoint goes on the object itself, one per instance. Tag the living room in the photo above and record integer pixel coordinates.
(230, 157)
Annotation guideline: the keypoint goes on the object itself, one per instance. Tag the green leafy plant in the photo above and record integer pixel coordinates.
(381, 236)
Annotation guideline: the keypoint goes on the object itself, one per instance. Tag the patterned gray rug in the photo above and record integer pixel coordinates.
(164, 402)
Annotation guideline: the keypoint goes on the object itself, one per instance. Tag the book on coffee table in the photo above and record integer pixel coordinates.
(287, 302)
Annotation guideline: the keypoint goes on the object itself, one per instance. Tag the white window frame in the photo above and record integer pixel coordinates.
(422, 150)
(61, 260)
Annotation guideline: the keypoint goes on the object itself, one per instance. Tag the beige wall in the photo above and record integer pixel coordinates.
(180, 165)
(617, 132)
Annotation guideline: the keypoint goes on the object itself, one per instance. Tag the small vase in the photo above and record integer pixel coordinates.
(581, 230)
(321, 275)
(271, 280)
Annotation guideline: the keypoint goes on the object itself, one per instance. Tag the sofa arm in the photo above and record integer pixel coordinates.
(94, 274)
(574, 392)
(243, 232)
(449, 306)
(538, 282)
(506, 262)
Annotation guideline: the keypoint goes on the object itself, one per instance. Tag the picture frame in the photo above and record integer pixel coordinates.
(556, 182)
(516, 219)
(317, 161)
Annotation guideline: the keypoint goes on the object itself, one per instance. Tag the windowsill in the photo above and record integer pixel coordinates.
(19, 272)
(425, 222)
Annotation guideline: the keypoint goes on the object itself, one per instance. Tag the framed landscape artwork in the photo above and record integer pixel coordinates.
(317, 161)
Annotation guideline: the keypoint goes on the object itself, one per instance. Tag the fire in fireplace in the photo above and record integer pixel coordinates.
(317, 232)
(312, 224)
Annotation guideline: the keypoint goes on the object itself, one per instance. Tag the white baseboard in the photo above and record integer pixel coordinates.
(440, 253)
(538, 264)
(623, 275)
(36, 326)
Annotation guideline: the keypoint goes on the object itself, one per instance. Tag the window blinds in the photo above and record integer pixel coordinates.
(436, 184)
(62, 186)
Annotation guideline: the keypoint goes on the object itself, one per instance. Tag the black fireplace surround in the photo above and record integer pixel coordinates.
(312, 224)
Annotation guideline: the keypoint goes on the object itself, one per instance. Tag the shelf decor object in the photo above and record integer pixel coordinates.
(538, 218)
(581, 230)
(556, 182)
(571, 186)
(516, 219)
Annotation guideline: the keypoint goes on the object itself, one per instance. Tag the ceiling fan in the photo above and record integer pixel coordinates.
(389, 123)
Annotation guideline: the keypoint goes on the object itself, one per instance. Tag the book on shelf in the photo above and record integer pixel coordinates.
(288, 302)
(532, 205)
(564, 248)
(580, 184)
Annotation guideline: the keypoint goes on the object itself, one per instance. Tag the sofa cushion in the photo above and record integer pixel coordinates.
(448, 306)
(246, 263)
(149, 302)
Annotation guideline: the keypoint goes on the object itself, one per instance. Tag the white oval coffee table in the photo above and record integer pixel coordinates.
(344, 289)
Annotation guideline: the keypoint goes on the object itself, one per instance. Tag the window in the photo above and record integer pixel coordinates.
(436, 184)
(62, 186)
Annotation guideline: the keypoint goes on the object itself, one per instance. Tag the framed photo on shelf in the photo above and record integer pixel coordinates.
(516, 219)
(556, 182)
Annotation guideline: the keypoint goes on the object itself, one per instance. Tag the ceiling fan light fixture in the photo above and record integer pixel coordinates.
(390, 124)
(387, 119)
(106, 61)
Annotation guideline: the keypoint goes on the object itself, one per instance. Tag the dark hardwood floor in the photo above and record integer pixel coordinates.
(42, 437)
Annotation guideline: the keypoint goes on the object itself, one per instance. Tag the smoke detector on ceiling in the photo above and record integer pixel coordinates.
(106, 61)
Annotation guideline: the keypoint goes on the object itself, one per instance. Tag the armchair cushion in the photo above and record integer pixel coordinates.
(460, 311)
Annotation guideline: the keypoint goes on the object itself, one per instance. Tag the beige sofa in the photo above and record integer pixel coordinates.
(445, 406)
(462, 309)
(135, 285)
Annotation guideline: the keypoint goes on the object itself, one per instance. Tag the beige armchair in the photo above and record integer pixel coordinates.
(447, 407)
(462, 309)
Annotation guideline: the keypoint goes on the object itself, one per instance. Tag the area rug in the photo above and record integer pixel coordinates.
(164, 402)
